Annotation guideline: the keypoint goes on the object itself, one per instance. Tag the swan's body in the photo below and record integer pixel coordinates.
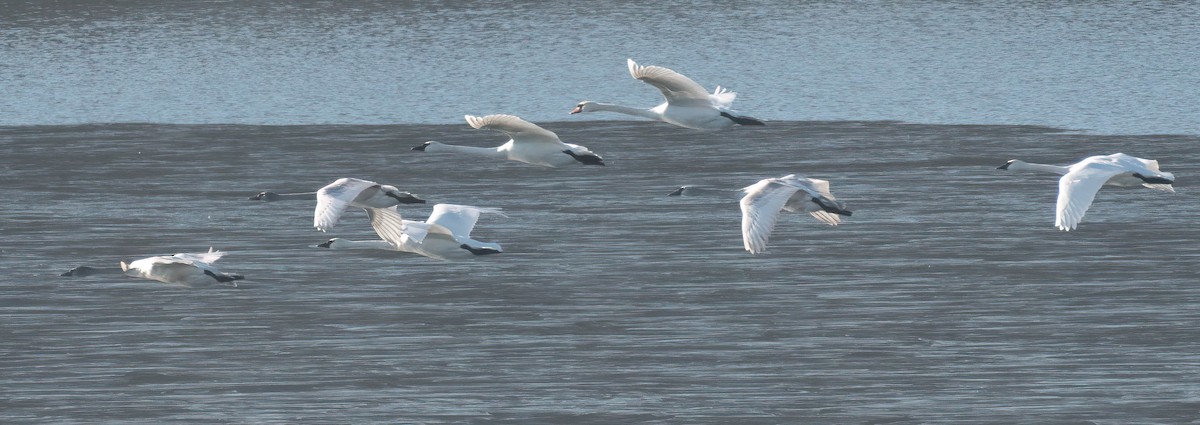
(1080, 181)
(334, 198)
(687, 104)
(445, 235)
(182, 269)
(765, 200)
(527, 143)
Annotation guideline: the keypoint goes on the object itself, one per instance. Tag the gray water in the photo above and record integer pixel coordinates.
(135, 128)
(947, 297)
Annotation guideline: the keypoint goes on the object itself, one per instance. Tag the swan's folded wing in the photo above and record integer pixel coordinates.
(459, 219)
(675, 87)
(513, 126)
(333, 199)
(1077, 189)
(761, 207)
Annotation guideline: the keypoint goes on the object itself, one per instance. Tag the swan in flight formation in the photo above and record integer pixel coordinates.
(334, 198)
(687, 104)
(445, 235)
(179, 269)
(765, 200)
(528, 143)
(1080, 181)
(182, 269)
(268, 196)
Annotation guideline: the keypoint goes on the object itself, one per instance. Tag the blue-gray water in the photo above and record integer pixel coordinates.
(1111, 68)
(948, 297)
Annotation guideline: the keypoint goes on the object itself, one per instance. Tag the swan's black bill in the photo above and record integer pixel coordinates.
(421, 148)
(406, 198)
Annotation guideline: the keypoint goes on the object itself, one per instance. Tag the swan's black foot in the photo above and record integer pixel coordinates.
(479, 251)
(225, 277)
(587, 158)
(742, 120)
(678, 192)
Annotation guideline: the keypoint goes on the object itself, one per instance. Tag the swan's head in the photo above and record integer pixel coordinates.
(265, 197)
(585, 106)
(422, 147)
(401, 196)
(1010, 165)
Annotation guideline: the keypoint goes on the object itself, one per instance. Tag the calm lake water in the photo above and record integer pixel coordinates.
(948, 297)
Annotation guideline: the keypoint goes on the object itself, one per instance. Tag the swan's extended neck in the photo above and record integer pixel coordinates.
(349, 244)
(470, 150)
(640, 112)
(1045, 168)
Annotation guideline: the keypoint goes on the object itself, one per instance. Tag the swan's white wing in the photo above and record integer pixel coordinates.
(760, 210)
(515, 127)
(203, 257)
(1078, 188)
(333, 199)
(389, 225)
(459, 219)
(675, 87)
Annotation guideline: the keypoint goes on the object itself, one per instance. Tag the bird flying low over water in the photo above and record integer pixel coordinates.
(336, 197)
(445, 235)
(527, 143)
(687, 104)
(766, 200)
(180, 269)
(1082, 180)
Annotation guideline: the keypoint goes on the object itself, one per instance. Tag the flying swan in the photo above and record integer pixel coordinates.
(687, 103)
(180, 269)
(445, 235)
(334, 198)
(1080, 181)
(765, 200)
(528, 143)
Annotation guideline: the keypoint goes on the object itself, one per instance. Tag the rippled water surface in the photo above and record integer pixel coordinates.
(1104, 67)
(947, 297)
(133, 128)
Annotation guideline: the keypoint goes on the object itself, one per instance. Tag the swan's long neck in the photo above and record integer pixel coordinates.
(349, 244)
(640, 112)
(1045, 168)
(469, 150)
(301, 196)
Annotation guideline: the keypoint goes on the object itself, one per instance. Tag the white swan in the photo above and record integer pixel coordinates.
(687, 103)
(1080, 181)
(268, 196)
(334, 198)
(765, 200)
(528, 143)
(445, 235)
(186, 269)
